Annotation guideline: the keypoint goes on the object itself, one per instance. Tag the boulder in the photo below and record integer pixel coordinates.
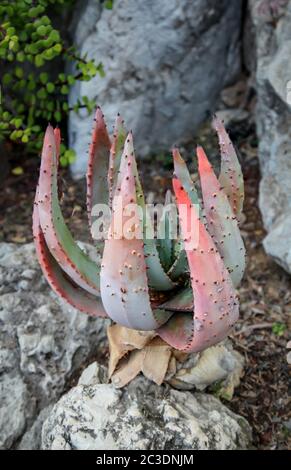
(43, 342)
(165, 64)
(277, 243)
(142, 416)
(271, 24)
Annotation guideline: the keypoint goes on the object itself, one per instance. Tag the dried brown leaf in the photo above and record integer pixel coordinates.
(156, 360)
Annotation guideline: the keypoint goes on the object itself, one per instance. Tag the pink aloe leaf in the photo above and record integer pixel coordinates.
(116, 150)
(182, 173)
(57, 279)
(231, 177)
(180, 265)
(123, 278)
(222, 224)
(157, 277)
(215, 302)
(98, 164)
(59, 240)
(57, 134)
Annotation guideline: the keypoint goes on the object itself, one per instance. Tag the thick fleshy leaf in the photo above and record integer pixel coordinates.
(116, 150)
(222, 224)
(231, 178)
(58, 280)
(180, 267)
(165, 244)
(123, 279)
(182, 173)
(59, 240)
(98, 164)
(215, 302)
(157, 278)
(57, 134)
(181, 302)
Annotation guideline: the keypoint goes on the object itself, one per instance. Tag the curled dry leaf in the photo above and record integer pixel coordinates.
(133, 352)
(123, 340)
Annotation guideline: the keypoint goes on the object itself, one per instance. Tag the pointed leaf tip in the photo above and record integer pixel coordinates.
(231, 177)
(116, 150)
(203, 162)
(222, 224)
(97, 169)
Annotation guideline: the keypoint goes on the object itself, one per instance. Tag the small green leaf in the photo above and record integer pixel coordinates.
(41, 30)
(101, 70)
(43, 78)
(20, 56)
(50, 87)
(63, 161)
(7, 78)
(279, 328)
(38, 61)
(41, 94)
(108, 4)
(64, 90)
(70, 154)
(17, 122)
(57, 48)
(58, 116)
(71, 79)
(54, 35)
(18, 72)
(17, 171)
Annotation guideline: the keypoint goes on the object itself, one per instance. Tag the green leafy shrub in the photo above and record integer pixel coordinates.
(35, 86)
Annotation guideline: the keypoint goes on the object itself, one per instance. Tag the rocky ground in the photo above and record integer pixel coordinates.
(260, 335)
(95, 415)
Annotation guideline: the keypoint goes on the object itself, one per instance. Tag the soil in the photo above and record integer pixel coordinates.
(260, 335)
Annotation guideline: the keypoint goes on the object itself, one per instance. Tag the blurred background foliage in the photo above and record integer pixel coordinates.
(38, 67)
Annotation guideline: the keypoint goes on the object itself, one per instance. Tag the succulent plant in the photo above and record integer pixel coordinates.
(183, 289)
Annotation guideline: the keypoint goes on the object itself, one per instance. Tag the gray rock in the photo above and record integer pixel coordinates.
(165, 63)
(43, 341)
(219, 366)
(15, 408)
(31, 440)
(273, 116)
(277, 242)
(279, 71)
(142, 416)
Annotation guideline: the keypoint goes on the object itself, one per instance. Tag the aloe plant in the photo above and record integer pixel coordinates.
(186, 292)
